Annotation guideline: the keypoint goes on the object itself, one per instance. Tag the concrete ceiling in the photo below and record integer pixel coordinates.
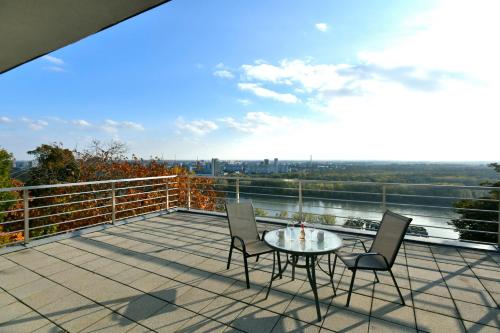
(32, 28)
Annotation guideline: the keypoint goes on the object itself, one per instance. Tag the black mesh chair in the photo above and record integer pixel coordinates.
(244, 234)
(382, 253)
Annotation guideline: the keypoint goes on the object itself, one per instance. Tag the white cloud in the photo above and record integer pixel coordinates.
(132, 125)
(53, 60)
(256, 122)
(81, 123)
(57, 64)
(113, 126)
(5, 120)
(35, 125)
(195, 127)
(267, 93)
(244, 101)
(224, 73)
(323, 27)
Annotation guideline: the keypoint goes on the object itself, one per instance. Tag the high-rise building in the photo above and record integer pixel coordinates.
(216, 167)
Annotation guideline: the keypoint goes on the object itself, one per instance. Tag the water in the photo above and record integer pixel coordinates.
(432, 219)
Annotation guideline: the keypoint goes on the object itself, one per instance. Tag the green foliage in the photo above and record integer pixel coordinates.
(282, 215)
(314, 218)
(5, 181)
(260, 212)
(484, 209)
(55, 164)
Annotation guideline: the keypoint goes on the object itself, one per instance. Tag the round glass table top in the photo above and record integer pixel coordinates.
(287, 240)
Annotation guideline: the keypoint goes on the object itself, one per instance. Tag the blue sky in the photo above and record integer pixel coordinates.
(385, 80)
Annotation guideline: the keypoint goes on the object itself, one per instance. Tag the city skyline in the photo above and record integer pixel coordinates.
(378, 82)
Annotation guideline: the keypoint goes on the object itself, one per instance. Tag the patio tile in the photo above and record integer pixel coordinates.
(141, 307)
(202, 324)
(343, 320)
(28, 322)
(290, 325)
(277, 301)
(396, 313)
(472, 327)
(434, 322)
(168, 319)
(195, 299)
(479, 314)
(254, 319)
(305, 309)
(223, 309)
(377, 325)
(436, 304)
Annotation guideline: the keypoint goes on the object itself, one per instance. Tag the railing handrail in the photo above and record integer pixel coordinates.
(351, 182)
(39, 187)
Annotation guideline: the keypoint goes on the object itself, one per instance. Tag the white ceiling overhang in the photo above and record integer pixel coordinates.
(32, 28)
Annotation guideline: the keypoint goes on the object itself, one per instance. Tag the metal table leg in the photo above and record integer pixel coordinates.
(311, 275)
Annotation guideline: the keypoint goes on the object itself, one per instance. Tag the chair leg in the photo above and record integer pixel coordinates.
(246, 271)
(397, 287)
(376, 276)
(230, 254)
(257, 258)
(350, 288)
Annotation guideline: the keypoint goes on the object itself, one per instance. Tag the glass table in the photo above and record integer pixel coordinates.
(309, 249)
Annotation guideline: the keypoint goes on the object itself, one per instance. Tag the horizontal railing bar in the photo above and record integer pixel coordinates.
(70, 230)
(438, 197)
(139, 186)
(10, 200)
(141, 207)
(351, 182)
(38, 187)
(12, 211)
(10, 222)
(70, 221)
(65, 213)
(132, 194)
(69, 194)
(69, 203)
(140, 200)
(11, 232)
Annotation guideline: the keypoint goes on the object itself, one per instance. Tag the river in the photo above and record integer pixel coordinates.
(432, 219)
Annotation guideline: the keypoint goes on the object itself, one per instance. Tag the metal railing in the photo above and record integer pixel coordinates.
(34, 212)
(39, 211)
(360, 205)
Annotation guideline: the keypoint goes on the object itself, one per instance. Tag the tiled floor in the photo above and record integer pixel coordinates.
(168, 274)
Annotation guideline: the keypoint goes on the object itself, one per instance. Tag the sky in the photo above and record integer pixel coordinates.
(335, 80)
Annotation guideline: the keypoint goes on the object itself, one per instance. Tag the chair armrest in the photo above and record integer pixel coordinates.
(357, 240)
(369, 254)
(243, 247)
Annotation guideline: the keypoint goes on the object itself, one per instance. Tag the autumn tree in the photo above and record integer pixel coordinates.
(54, 164)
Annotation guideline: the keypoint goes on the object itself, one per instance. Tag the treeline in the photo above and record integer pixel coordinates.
(56, 210)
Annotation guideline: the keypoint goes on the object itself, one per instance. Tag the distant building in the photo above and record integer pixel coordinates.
(216, 167)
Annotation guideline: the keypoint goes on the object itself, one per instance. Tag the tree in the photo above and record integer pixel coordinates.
(479, 215)
(55, 164)
(5, 181)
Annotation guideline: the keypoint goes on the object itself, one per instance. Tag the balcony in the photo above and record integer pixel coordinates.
(148, 266)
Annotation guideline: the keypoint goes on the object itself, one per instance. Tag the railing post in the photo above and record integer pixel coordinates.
(26, 217)
(498, 198)
(167, 195)
(237, 190)
(384, 203)
(301, 205)
(189, 192)
(113, 203)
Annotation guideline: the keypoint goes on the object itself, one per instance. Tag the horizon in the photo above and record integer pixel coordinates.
(382, 82)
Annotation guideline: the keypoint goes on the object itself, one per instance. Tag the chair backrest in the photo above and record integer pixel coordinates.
(242, 220)
(390, 235)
